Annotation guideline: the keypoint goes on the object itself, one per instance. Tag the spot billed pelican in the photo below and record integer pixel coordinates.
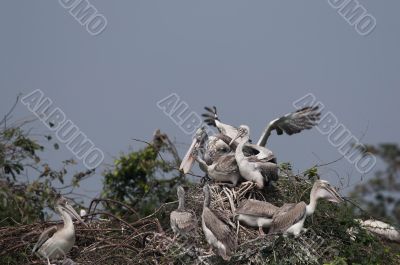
(252, 168)
(289, 219)
(55, 243)
(182, 221)
(217, 227)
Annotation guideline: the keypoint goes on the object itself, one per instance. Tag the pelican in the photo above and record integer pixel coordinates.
(289, 219)
(198, 141)
(224, 170)
(256, 213)
(220, 144)
(54, 243)
(217, 228)
(182, 222)
(291, 123)
(253, 168)
(380, 229)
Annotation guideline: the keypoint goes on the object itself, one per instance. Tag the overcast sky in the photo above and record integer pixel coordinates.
(251, 59)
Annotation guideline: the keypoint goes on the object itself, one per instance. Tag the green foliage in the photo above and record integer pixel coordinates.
(142, 179)
(26, 184)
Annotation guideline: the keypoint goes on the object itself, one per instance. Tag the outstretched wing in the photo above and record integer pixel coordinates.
(292, 123)
(48, 233)
(211, 118)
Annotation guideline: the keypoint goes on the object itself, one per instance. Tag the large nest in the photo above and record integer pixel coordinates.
(113, 240)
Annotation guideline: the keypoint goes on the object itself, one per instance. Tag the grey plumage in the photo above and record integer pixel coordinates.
(223, 170)
(46, 234)
(182, 221)
(217, 228)
(256, 213)
(286, 216)
(256, 208)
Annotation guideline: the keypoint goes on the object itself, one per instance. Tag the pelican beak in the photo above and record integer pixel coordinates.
(238, 135)
(188, 159)
(336, 198)
(73, 213)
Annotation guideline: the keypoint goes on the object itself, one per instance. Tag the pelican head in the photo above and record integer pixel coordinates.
(201, 134)
(322, 189)
(243, 132)
(63, 205)
(180, 192)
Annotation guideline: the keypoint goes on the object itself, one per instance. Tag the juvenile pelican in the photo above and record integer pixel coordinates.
(256, 214)
(253, 168)
(290, 123)
(224, 170)
(289, 219)
(182, 222)
(217, 228)
(55, 243)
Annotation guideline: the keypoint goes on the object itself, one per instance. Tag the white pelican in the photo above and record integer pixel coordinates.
(289, 219)
(253, 168)
(218, 229)
(182, 221)
(198, 141)
(256, 213)
(290, 123)
(55, 243)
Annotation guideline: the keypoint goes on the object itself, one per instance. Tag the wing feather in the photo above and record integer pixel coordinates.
(286, 216)
(184, 221)
(292, 123)
(257, 208)
(227, 164)
(46, 234)
(222, 231)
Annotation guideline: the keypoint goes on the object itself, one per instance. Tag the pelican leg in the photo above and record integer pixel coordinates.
(209, 252)
(261, 231)
(48, 262)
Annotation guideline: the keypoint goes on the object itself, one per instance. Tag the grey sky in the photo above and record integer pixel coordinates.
(251, 59)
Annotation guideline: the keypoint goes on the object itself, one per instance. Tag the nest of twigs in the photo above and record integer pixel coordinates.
(114, 240)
